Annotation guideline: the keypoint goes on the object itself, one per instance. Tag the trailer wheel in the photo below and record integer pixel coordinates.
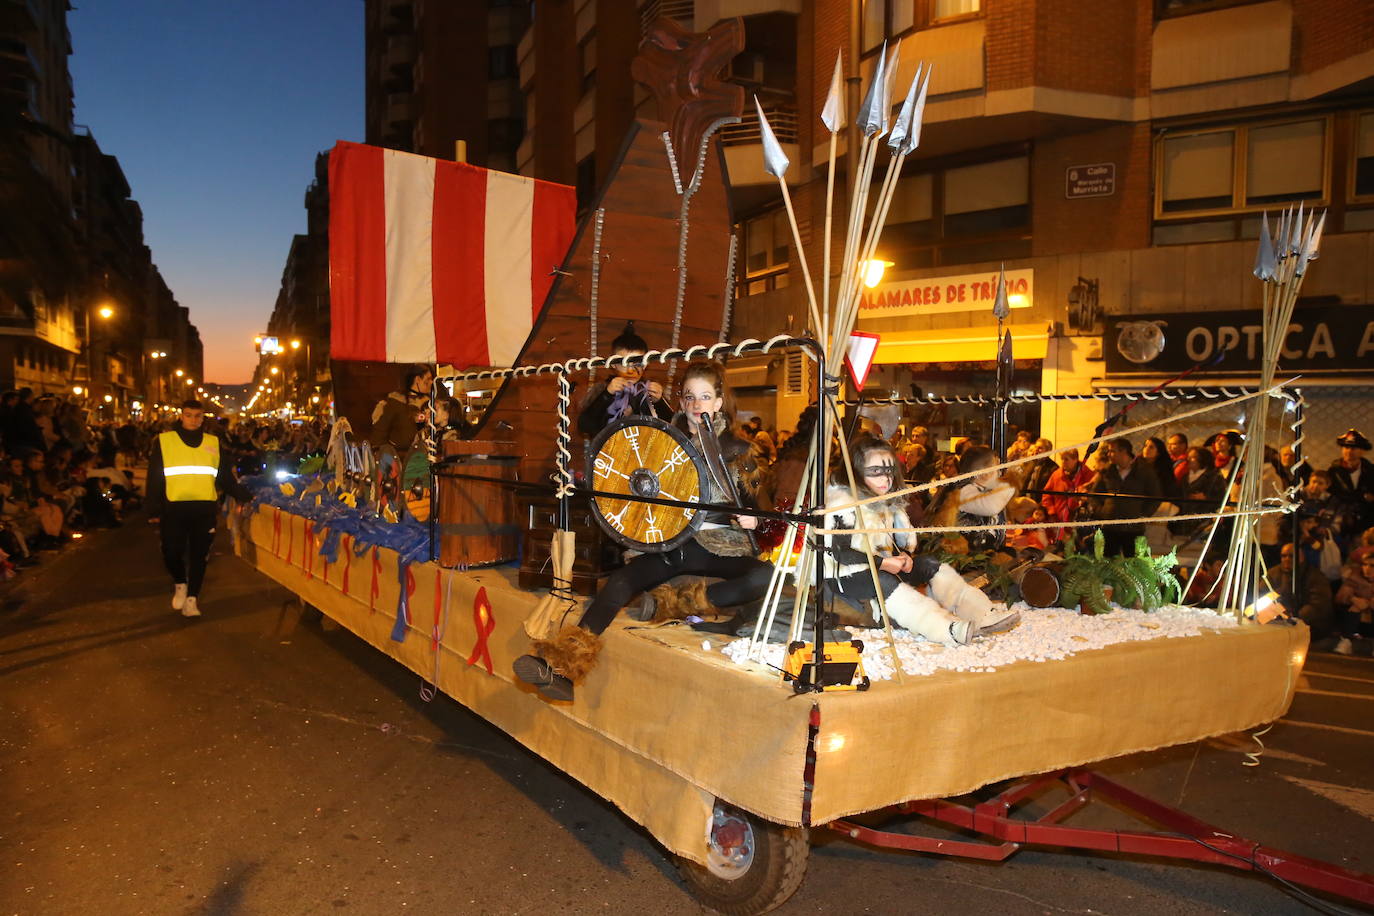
(753, 865)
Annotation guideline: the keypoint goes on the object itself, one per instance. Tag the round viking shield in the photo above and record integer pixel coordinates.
(643, 456)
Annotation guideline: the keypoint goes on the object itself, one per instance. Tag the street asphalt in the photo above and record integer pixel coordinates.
(253, 762)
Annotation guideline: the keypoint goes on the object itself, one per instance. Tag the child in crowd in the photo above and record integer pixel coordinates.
(979, 502)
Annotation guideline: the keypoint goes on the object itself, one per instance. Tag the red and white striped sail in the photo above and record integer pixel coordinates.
(437, 261)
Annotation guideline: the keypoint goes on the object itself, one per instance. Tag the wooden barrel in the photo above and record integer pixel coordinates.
(1040, 584)
(477, 520)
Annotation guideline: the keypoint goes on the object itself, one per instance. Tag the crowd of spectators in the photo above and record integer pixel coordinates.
(1147, 482)
(61, 472)
(64, 471)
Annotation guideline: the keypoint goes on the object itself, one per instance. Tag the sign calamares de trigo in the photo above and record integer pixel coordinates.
(1334, 338)
(936, 295)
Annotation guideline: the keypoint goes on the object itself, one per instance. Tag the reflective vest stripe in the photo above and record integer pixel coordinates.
(184, 469)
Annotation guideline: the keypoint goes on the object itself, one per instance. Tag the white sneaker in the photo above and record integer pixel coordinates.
(190, 609)
(179, 596)
(1344, 646)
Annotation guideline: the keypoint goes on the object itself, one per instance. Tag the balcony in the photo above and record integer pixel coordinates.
(398, 18)
(399, 54)
(743, 142)
(400, 108)
(17, 60)
(18, 16)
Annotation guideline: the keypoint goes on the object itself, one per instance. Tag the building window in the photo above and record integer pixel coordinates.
(1198, 172)
(964, 213)
(986, 198)
(1165, 8)
(501, 62)
(953, 9)
(1363, 181)
(767, 246)
(586, 182)
(1243, 168)
(884, 19)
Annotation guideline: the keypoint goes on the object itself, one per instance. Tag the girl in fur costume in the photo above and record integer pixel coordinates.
(899, 573)
(720, 549)
(978, 502)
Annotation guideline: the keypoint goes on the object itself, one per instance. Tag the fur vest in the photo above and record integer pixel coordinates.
(847, 553)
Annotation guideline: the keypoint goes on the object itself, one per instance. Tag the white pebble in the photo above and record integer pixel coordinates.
(1044, 634)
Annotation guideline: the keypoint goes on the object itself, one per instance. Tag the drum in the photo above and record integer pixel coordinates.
(1040, 584)
(477, 520)
(643, 456)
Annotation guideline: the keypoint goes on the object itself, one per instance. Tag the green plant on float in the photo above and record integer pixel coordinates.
(1140, 581)
(1084, 580)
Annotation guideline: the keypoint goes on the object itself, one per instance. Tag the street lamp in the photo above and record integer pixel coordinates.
(274, 370)
(77, 389)
(105, 311)
(873, 271)
(180, 373)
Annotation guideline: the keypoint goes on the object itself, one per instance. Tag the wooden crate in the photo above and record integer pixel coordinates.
(478, 524)
(595, 555)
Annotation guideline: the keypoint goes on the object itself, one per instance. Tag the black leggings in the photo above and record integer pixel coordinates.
(746, 579)
(188, 530)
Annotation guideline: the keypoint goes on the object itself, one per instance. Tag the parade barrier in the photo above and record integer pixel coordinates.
(663, 728)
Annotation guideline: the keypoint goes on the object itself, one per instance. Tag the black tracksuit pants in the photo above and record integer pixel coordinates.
(188, 530)
(746, 579)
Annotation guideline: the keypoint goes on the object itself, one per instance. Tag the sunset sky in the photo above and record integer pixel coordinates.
(216, 112)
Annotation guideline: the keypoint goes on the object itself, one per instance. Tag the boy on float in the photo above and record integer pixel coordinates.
(953, 612)
(720, 549)
(626, 392)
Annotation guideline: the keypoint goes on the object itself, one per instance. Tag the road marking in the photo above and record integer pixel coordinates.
(1337, 693)
(1361, 801)
(1339, 677)
(1330, 728)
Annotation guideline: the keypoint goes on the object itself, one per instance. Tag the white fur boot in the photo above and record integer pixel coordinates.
(911, 610)
(969, 603)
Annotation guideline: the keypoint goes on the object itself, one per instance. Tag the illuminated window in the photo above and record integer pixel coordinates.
(767, 247)
(884, 19)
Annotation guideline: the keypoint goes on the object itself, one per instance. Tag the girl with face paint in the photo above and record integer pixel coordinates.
(952, 618)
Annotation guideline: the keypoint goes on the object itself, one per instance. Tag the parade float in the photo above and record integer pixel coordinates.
(732, 751)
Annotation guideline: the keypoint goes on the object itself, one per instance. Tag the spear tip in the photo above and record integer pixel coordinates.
(871, 117)
(1000, 306)
(832, 115)
(775, 161)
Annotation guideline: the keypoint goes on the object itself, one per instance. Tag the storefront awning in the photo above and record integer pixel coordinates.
(957, 345)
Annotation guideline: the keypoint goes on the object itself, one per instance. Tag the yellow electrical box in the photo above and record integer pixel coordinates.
(842, 666)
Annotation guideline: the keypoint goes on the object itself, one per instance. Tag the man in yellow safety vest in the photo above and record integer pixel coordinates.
(185, 473)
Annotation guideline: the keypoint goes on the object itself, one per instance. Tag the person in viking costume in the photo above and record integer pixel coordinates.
(952, 612)
(626, 392)
(720, 549)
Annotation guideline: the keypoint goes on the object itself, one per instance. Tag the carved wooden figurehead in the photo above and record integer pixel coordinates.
(649, 248)
(682, 69)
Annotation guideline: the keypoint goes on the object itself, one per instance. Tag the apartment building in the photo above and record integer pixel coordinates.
(1118, 164)
(81, 303)
(439, 73)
